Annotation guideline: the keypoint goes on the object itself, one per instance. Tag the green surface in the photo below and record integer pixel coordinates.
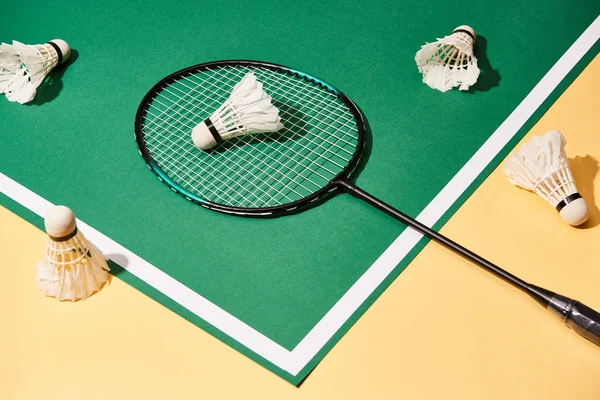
(74, 144)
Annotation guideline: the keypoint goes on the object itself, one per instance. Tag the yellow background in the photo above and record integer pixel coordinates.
(444, 329)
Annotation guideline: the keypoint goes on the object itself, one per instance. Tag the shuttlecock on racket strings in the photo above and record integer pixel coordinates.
(24, 67)
(247, 110)
(450, 61)
(541, 166)
(73, 268)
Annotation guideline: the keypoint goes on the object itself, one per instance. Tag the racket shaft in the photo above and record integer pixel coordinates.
(577, 316)
(436, 236)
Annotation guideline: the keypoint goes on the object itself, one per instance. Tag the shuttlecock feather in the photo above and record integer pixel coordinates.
(24, 67)
(541, 166)
(73, 268)
(247, 110)
(450, 61)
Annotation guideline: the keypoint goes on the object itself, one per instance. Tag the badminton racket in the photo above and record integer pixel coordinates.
(275, 174)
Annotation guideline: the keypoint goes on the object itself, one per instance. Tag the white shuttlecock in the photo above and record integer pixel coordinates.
(450, 61)
(24, 67)
(247, 110)
(542, 167)
(73, 268)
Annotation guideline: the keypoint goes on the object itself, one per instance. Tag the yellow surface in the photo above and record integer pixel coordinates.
(443, 330)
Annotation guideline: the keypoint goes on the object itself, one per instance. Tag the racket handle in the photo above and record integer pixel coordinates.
(577, 316)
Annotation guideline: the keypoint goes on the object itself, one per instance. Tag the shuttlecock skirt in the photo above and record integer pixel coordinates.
(72, 270)
(449, 62)
(24, 67)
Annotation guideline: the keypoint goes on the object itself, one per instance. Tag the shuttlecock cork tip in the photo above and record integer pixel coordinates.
(575, 213)
(202, 137)
(64, 49)
(467, 29)
(60, 222)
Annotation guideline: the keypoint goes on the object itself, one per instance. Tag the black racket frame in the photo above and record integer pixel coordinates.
(275, 211)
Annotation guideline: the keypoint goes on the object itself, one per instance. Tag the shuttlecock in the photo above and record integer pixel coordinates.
(24, 67)
(541, 166)
(247, 110)
(73, 268)
(450, 61)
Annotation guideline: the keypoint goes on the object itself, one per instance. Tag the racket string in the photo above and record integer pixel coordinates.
(303, 157)
(335, 130)
(285, 96)
(256, 170)
(241, 148)
(308, 191)
(169, 155)
(168, 158)
(224, 154)
(170, 161)
(261, 140)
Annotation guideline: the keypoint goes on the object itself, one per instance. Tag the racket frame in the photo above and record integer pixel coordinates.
(287, 208)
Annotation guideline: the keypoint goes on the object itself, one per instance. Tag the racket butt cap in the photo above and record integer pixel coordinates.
(202, 137)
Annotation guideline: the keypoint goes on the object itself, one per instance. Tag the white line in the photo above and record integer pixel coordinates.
(162, 282)
(294, 361)
(318, 337)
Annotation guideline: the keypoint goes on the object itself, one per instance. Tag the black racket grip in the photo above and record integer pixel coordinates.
(584, 321)
(574, 314)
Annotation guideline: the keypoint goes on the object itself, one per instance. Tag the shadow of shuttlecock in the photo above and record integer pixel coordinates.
(117, 264)
(584, 171)
(489, 77)
(52, 85)
(366, 150)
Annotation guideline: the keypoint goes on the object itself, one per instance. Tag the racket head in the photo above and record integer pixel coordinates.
(266, 174)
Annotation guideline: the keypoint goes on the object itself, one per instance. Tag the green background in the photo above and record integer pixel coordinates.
(74, 143)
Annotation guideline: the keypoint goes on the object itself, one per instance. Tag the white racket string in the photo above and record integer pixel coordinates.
(257, 170)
